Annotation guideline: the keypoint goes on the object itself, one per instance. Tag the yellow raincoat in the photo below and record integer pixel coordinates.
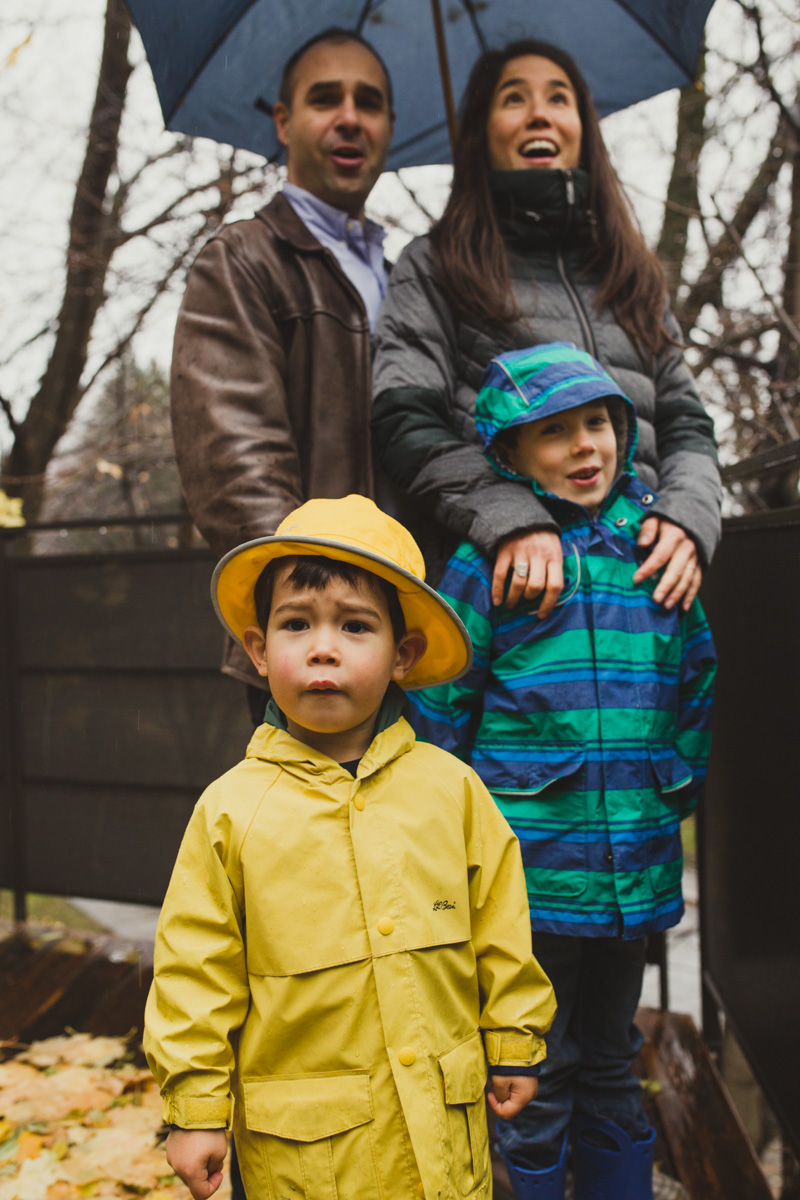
(342, 956)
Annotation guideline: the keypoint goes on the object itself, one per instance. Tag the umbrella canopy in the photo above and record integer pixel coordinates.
(217, 63)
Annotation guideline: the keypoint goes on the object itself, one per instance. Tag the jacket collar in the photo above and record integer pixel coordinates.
(537, 208)
(286, 224)
(393, 737)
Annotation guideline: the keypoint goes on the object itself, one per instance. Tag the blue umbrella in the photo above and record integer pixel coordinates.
(217, 63)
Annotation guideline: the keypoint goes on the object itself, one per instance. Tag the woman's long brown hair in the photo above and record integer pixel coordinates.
(468, 249)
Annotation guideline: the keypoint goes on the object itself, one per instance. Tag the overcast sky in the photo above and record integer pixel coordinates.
(48, 68)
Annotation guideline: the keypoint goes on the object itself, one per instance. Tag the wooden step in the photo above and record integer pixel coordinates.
(708, 1149)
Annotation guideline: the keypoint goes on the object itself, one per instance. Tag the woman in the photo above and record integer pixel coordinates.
(537, 245)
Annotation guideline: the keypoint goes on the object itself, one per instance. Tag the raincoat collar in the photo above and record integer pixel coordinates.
(393, 736)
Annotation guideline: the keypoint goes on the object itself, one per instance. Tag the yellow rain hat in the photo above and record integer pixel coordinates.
(352, 530)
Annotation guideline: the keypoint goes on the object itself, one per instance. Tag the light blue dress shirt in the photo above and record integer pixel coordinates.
(357, 248)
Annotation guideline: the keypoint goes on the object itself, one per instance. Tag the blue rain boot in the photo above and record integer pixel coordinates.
(546, 1184)
(617, 1169)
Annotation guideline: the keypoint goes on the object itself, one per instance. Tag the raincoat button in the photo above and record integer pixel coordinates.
(385, 926)
(407, 1056)
(620, 521)
(359, 803)
(648, 498)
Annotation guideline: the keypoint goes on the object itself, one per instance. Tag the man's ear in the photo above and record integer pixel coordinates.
(281, 116)
(255, 644)
(410, 650)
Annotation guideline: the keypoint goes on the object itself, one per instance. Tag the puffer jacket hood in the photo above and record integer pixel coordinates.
(527, 385)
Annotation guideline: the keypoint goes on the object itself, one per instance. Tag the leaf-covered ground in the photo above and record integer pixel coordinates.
(78, 1121)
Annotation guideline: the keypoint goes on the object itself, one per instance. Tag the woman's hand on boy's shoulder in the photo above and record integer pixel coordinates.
(510, 1094)
(535, 560)
(676, 552)
(197, 1155)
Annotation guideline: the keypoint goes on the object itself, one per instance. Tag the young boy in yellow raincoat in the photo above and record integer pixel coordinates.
(345, 941)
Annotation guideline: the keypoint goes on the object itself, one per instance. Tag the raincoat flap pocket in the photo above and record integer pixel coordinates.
(671, 772)
(553, 762)
(308, 1107)
(464, 1071)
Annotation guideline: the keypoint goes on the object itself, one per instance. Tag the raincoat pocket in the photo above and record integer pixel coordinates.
(664, 850)
(544, 802)
(511, 776)
(315, 1129)
(671, 772)
(464, 1072)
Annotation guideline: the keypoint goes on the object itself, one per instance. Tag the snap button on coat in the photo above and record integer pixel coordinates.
(385, 926)
(407, 1057)
(358, 802)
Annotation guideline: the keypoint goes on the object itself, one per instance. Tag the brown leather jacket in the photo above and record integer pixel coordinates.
(270, 383)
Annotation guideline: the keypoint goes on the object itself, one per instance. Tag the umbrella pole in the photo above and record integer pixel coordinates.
(444, 70)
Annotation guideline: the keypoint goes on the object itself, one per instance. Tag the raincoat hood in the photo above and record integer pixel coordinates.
(529, 385)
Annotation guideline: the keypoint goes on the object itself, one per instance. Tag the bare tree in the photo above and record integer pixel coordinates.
(101, 226)
(747, 352)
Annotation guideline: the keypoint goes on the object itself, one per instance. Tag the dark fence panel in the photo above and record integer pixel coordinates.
(750, 843)
(115, 718)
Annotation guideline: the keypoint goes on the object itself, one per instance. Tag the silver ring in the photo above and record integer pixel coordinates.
(522, 569)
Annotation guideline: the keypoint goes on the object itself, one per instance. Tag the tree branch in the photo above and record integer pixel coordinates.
(761, 67)
(728, 247)
(9, 416)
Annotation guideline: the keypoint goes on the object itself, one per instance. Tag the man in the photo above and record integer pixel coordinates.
(271, 362)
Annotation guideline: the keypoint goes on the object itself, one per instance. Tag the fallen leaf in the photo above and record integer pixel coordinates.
(29, 1145)
(35, 1176)
(79, 1049)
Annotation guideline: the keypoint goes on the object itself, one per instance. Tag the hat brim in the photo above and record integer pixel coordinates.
(448, 653)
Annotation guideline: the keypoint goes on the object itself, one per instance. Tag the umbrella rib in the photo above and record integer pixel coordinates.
(364, 14)
(659, 41)
(469, 9)
(212, 51)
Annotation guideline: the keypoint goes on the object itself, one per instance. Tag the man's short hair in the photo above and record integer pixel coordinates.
(336, 35)
(316, 572)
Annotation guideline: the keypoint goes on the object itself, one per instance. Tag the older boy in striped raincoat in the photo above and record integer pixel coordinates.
(591, 730)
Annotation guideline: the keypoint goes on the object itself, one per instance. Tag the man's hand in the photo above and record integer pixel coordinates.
(536, 562)
(675, 551)
(197, 1155)
(510, 1094)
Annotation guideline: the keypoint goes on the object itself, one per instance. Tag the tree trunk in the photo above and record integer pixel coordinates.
(780, 490)
(92, 241)
(682, 202)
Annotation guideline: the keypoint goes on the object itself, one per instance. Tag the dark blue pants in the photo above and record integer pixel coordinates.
(590, 1049)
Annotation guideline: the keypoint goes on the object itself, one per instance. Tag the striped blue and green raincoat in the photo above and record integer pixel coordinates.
(590, 728)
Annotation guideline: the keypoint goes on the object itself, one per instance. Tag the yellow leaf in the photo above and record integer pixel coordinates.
(28, 1146)
(10, 511)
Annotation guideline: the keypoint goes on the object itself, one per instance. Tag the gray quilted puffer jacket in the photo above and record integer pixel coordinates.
(428, 366)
